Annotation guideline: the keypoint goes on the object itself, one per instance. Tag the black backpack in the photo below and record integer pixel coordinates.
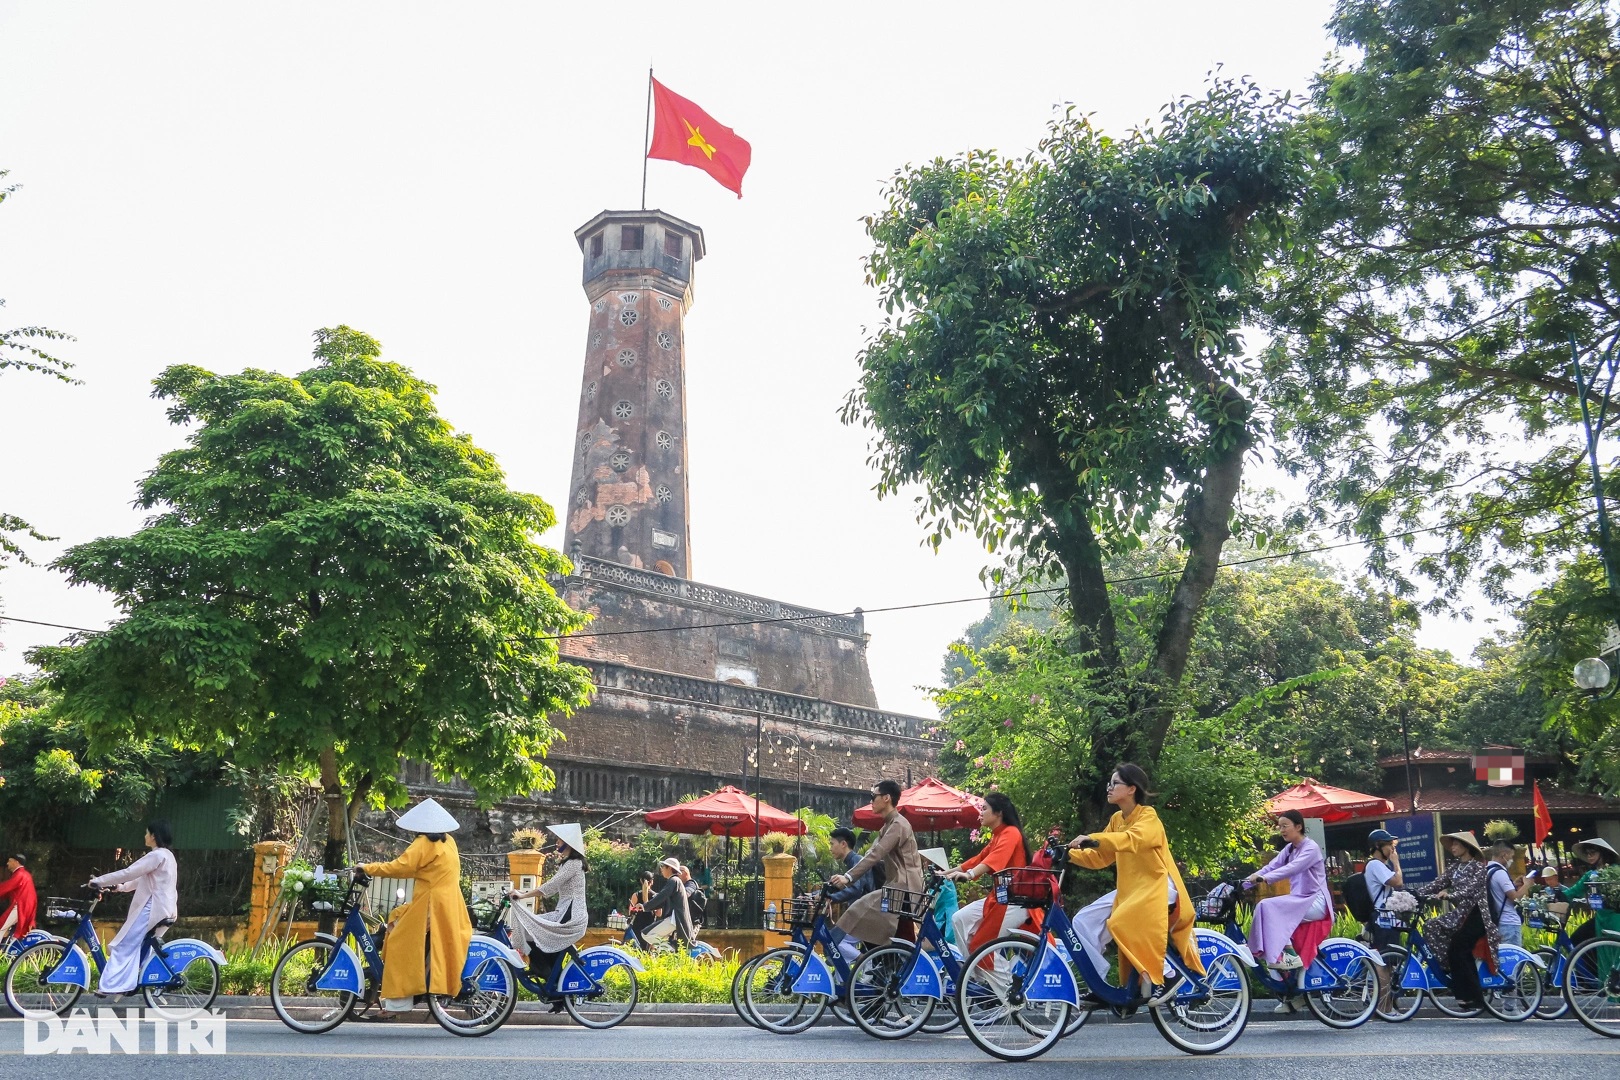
(1490, 896)
(1358, 898)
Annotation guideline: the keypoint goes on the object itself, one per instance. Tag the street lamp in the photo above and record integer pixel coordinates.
(1592, 675)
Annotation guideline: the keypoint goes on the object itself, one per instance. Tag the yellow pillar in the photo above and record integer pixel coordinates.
(270, 857)
(524, 867)
(779, 881)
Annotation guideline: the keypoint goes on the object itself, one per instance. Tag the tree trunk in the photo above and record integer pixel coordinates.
(337, 812)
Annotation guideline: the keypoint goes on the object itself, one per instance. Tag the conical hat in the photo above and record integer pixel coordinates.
(570, 834)
(937, 856)
(428, 816)
(1600, 844)
(1467, 840)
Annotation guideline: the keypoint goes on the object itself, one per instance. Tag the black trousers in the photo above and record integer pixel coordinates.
(1460, 956)
(1583, 933)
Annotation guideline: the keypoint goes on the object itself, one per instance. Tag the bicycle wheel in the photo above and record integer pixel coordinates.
(944, 1017)
(879, 1008)
(1592, 986)
(1442, 998)
(610, 1004)
(1553, 1003)
(1395, 1002)
(996, 1015)
(27, 992)
(301, 1004)
(770, 997)
(1211, 1021)
(737, 982)
(476, 1010)
(1349, 1003)
(188, 993)
(1520, 998)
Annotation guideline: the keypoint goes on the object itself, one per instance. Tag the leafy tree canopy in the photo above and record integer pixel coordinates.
(1467, 227)
(1060, 358)
(332, 581)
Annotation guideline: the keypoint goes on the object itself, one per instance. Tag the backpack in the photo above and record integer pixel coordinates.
(1358, 898)
(1490, 896)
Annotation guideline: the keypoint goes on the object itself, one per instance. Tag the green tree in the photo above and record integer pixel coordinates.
(332, 582)
(1467, 228)
(1060, 360)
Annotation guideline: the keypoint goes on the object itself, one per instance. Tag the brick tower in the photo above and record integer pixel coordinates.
(627, 502)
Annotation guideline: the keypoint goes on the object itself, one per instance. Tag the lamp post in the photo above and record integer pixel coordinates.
(1592, 674)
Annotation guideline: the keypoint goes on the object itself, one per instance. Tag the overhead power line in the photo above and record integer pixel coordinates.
(1269, 557)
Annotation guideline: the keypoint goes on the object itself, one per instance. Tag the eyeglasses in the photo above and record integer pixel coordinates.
(1115, 782)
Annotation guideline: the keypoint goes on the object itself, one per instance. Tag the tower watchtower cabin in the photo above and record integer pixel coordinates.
(628, 499)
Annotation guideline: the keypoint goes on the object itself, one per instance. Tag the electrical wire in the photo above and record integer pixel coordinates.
(1270, 557)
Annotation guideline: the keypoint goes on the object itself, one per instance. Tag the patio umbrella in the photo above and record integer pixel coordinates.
(1329, 803)
(727, 812)
(929, 805)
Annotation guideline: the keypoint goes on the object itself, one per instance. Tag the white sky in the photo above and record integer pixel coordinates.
(209, 183)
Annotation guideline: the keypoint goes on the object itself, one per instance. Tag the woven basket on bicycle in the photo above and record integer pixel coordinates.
(906, 904)
(1219, 904)
(62, 911)
(1026, 887)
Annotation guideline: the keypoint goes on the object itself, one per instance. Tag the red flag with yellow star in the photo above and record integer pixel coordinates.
(1543, 818)
(685, 133)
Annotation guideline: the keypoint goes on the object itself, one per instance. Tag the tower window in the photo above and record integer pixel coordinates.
(590, 391)
(672, 245)
(624, 410)
(628, 316)
(665, 341)
(596, 246)
(663, 494)
(627, 357)
(665, 440)
(620, 461)
(631, 237)
(665, 388)
(629, 297)
(664, 303)
(618, 515)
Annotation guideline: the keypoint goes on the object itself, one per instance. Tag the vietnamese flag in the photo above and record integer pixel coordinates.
(685, 133)
(1543, 817)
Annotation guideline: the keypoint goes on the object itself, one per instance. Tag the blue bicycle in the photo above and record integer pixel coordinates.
(598, 986)
(322, 981)
(1538, 915)
(179, 979)
(1340, 988)
(914, 982)
(1016, 995)
(789, 988)
(1513, 993)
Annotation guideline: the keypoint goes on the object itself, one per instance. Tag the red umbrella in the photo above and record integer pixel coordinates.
(930, 805)
(727, 812)
(1329, 803)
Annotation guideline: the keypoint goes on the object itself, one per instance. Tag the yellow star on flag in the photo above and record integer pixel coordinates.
(698, 140)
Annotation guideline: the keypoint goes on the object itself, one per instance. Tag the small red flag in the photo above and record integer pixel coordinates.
(685, 133)
(1543, 818)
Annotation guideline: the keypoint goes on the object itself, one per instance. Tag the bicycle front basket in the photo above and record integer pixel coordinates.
(1027, 887)
(906, 904)
(62, 911)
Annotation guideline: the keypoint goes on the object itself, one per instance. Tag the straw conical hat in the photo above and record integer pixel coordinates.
(570, 834)
(1467, 840)
(1600, 844)
(428, 816)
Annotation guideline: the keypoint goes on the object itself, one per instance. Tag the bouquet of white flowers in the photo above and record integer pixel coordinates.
(1401, 902)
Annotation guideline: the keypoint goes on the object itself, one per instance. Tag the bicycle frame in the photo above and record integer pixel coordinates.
(1421, 972)
(931, 974)
(576, 973)
(1328, 971)
(1060, 953)
(156, 956)
(814, 978)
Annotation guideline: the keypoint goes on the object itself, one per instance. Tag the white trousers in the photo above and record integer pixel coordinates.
(1091, 926)
(661, 929)
(123, 970)
(967, 919)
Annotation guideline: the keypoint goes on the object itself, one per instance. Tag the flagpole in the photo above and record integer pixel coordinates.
(646, 133)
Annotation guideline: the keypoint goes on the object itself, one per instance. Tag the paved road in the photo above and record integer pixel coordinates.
(1419, 1050)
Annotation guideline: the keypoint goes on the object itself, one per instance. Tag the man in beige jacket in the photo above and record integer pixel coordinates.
(896, 848)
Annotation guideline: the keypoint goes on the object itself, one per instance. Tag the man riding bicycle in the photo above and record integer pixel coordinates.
(896, 850)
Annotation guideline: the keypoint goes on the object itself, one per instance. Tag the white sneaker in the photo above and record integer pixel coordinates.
(1285, 1005)
(1288, 961)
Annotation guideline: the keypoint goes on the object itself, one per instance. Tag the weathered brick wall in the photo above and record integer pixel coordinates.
(795, 657)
